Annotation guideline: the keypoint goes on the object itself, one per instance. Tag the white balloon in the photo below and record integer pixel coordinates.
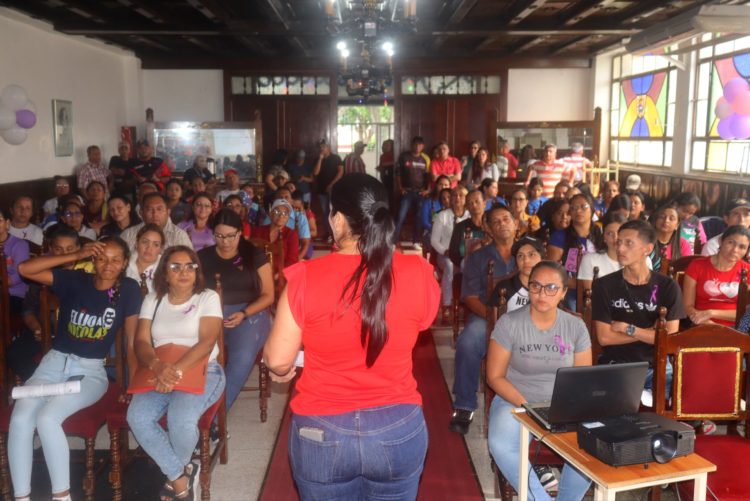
(14, 135)
(7, 118)
(13, 97)
(29, 105)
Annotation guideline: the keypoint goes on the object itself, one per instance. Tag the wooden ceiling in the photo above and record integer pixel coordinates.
(212, 33)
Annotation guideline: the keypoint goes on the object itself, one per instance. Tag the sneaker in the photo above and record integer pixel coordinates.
(546, 476)
(417, 246)
(461, 420)
(708, 427)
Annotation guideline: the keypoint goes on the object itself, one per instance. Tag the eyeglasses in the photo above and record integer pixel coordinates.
(202, 206)
(178, 267)
(518, 199)
(221, 237)
(73, 214)
(580, 207)
(233, 206)
(549, 289)
(277, 212)
(62, 185)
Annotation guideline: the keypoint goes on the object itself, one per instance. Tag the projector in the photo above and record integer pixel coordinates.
(635, 439)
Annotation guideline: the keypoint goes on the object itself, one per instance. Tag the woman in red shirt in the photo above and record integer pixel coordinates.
(280, 212)
(711, 283)
(357, 312)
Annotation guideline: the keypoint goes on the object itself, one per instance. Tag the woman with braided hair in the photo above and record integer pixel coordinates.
(357, 312)
(92, 308)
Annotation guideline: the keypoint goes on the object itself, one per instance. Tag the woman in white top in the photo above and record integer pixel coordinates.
(481, 169)
(180, 311)
(149, 242)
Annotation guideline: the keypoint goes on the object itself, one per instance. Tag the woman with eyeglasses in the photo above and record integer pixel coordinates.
(527, 347)
(93, 307)
(198, 227)
(180, 310)
(669, 243)
(247, 283)
(526, 224)
(72, 214)
(582, 236)
(357, 311)
(95, 210)
(149, 244)
(121, 216)
(280, 212)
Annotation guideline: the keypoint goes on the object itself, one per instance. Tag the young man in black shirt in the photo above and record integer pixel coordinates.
(327, 170)
(413, 184)
(457, 248)
(626, 303)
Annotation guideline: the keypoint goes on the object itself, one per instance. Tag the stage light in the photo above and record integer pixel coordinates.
(344, 53)
(341, 45)
(388, 46)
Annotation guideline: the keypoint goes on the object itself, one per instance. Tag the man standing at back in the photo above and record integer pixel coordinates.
(353, 161)
(413, 183)
(512, 160)
(150, 168)
(93, 170)
(327, 170)
(550, 170)
(446, 165)
(577, 162)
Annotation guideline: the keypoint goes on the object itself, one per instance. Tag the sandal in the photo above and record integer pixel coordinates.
(166, 493)
(191, 471)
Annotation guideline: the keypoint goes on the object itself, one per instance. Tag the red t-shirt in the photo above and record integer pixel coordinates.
(290, 238)
(449, 167)
(336, 379)
(714, 289)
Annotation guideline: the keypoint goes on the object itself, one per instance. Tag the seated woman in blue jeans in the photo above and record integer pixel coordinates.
(180, 311)
(528, 346)
(92, 308)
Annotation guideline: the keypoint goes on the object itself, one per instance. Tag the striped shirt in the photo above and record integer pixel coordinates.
(550, 174)
(577, 163)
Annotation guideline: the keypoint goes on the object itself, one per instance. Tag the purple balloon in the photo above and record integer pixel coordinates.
(25, 118)
(734, 87)
(740, 126)
(725, 127)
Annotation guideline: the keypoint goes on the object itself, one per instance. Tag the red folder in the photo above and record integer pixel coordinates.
(193, 379)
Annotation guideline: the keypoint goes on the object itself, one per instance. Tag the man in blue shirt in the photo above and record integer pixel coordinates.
(301, 174)
(471, 346)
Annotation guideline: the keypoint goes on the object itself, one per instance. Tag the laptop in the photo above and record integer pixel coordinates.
(589, 393)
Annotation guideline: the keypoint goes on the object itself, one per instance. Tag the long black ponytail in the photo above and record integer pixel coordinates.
(363, 201)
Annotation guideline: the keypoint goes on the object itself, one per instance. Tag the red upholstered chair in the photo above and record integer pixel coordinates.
(120, 453)
(708, 383)
(743, 297)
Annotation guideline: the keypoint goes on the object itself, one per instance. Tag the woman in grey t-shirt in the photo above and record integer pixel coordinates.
(528, 346)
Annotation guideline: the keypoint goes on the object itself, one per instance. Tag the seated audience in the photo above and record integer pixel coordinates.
(297, 221)
(180, 311)
(535, 190)
(21, 211)
(235, 204)
(72, 214)
(610, 190)
(198, 226)
(280, 213)
(179, 211)
(440, 240)
(527, 347)
(669, 244)
(711, 283)
(155, 210)
(232, 182)
(303, 208)
(605, 257)
(471, 226)
(482, 167)
(626, 302)
(471, 345)
(62, 188)
(431, 206)
(93, 307)
(737, 212)
(518, 203)
(121, 216)
(622, 204)
(527, 251)
(691, 229)
(637, 206)
(95, 209)
(556, 217)
(15, 251)
(149, 245)
(248, 292)
(489, 189)
(93, 170)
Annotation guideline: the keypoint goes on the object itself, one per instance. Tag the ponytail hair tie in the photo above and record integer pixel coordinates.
(377, 206)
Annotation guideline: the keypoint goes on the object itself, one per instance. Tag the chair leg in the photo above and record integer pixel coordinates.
(115, 473)
(205, 476)
(89, 480)
(263, 391)
(4, 468)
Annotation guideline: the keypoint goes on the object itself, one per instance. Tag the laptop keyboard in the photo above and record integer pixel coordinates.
(543, 413)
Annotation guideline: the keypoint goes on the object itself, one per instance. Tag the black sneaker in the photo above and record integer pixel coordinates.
(546, 476)
(461, 420)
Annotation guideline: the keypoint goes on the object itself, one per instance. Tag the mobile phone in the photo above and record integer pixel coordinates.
(75, 378)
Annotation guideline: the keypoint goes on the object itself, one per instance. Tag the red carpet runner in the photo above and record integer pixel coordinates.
(448, 471)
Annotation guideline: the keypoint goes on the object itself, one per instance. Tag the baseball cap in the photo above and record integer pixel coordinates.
(281, 202)
(143, 142)
(633, 182)
(526, 240)
(301, 153)
(737, 203)
(231, 171)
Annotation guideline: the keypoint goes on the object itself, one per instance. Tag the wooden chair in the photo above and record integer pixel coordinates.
(117, 425)
(584, 299)
(677, 268)
(457, 306)
(743, 297)
(275, 253)
(709, 382)
(11, 323)
(84, 423)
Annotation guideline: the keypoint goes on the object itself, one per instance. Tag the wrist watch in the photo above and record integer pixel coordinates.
(630, 330)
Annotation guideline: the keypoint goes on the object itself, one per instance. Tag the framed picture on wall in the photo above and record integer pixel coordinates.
(62, 127)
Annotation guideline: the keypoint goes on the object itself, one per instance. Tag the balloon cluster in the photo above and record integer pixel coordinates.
(17, 114)
(733, 110)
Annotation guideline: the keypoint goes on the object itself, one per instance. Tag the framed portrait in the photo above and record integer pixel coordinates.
(62, 127)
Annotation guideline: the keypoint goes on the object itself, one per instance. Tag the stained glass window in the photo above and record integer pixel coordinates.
(450, 84)
(715, 149)
(280, 85)
(642, 112)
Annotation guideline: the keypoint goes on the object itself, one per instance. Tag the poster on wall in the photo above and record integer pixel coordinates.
(62, 122)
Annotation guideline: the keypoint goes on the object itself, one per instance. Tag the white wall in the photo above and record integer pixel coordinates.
(184, 95)
(550, 94)
(50, 66)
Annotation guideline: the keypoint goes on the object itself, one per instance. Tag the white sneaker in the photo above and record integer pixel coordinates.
(417, 246)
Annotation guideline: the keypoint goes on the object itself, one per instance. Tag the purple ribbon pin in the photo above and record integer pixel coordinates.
(111, 294)
(561, 345)
(654, 292)
(190, 308)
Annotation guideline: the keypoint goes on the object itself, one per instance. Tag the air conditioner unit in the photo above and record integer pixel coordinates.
(723, 19)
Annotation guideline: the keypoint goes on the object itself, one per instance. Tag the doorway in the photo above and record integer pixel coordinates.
(371, 124)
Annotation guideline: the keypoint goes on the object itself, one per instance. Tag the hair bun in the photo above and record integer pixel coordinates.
(374, 208)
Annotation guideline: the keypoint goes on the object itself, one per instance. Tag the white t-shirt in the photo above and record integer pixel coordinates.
(132, 271)
(606, 265)
(712, 246)
(180, 324)
(224, 194)
(50, 206)
(32, 233)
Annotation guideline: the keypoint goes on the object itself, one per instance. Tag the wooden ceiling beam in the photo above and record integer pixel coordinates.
(527, 44)
(461, 10)
(582, 9)
(522, 9)
(566, 45)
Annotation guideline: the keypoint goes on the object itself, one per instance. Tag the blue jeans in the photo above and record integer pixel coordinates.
(471, 347)
(242, 346)
(649, 385)
(172, 448)
(325, 206)
(375, 453)
(504, 439)
(46, 415)
(409, 200)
